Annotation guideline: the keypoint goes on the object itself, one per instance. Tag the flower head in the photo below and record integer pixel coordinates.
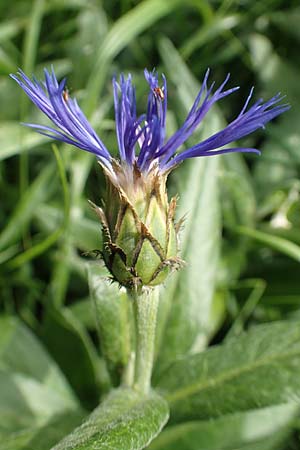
(142, 139)
(137, 220)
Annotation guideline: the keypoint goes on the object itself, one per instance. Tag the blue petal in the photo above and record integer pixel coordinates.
(198, 111)
(72, 125)
(125, 114)
(246, 122)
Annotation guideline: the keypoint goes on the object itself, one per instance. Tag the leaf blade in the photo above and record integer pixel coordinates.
(126, 419)
(188, 300)
(235, 431)
(37, 406)
(112, 310)
(235, 376)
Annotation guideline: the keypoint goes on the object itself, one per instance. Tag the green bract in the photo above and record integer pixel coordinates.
(140, 235)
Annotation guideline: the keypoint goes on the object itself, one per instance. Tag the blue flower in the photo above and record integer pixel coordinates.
(142, 138)
(140, 243)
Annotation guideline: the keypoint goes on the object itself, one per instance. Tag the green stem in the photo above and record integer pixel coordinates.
(128, 374)
(145, 308)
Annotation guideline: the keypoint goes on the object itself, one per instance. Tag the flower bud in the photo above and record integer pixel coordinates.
(139, 233)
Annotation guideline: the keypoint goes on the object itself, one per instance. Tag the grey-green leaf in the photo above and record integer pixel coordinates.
(112, 312)
(189, 295)
(22, 355)
(257, 369)
(44, 436)
(71, 346)
(126, 420)
(261, 428)
(37, 406)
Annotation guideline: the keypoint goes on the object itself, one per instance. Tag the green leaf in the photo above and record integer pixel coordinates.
(277, 73)
(23, 355)
(38, 191)
(35, 250)
(276, 242)
(35, 398)
(72, 348)
(112, 311)
(123, 31)
(277, 166)
(238, 207)
(261, 428)
(187, 302)
(86, 233)
(44, 436)
(126, 420)
(210, 31)
(193, 288)
(10, 28)
(7, 65)
(32, 35)
(238, 198)
(257, 369)
(280, 153)
(83, 311)
(287, 21)
(16, 140)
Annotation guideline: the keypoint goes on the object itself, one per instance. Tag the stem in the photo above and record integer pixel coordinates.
(128, 374)
(145, 308)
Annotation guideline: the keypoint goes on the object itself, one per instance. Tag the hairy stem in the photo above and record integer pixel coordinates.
(145, 308)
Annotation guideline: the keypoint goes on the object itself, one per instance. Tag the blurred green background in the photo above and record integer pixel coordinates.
(46, 222)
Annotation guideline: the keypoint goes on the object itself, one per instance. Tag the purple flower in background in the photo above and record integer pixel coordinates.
(142, 139)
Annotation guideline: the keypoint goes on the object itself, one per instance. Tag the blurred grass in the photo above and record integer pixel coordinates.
(46, 223)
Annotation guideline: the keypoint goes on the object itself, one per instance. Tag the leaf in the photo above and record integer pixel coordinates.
(259, 368)
(276, 242)
(287, 21)
(16, 139)
(261, 428)
(83, 311)
(86, 233)
(10, 28)
(187, 301)
(123, 31)
(126, 420)
(22, 214)
(35, 398)
(42, 437)
(112, 311)
(7, 65)
(277, 73)
(31, 39)
(23, 355)
(35, 250)
(238, 198)
(210, 31)
(280, 154)
(193, 288)
(72, 348)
